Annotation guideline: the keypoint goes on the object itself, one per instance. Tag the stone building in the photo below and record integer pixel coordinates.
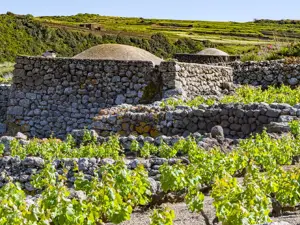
(56, 95)
(207, 56)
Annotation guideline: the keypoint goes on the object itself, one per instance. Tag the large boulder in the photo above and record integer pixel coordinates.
(217, 132)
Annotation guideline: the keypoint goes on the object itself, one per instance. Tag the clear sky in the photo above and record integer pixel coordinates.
(217, 10)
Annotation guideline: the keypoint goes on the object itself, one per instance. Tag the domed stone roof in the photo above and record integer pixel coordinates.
(118, 52)
(212, 51)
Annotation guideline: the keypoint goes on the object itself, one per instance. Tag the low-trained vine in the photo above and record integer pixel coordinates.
(248, 184)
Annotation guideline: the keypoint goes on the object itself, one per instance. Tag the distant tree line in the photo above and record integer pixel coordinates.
(287, 21)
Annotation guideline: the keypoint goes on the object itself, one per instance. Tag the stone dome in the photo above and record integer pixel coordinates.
(118, 52)
(212, 51)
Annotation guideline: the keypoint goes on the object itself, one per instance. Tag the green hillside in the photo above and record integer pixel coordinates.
(28, 35)
(259, 31)
(236, 38)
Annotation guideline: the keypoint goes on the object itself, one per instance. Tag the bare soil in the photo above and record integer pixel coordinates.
(183, 216)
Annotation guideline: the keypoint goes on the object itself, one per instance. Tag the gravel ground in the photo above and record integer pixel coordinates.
(183, 216)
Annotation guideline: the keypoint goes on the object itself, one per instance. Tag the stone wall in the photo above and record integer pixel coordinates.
(54, 96)
(266, 73)
(237, 120)
(4, 94)
(191, 80)
(59, 95)
(4, 98)
(21, 171)
(205, 59)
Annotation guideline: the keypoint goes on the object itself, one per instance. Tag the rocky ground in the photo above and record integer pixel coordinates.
(184, 216)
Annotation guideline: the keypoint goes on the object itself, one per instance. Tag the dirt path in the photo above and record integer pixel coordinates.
(184, 217)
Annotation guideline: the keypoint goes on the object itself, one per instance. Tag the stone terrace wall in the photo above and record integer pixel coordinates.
(4, 94)
(22, 171)
(205, 59)
(59, 95)
(191, 80)
(237, 120)
(266, 73)
(4, 98)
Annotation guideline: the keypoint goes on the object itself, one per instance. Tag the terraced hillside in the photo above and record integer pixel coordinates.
(26, 35)
(70, 35)
(228, 35)
(257, 31)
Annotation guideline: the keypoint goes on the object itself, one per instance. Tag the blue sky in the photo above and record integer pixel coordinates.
(217, 10)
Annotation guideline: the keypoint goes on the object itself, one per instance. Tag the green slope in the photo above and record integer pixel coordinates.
(30, 35)
(27, 35)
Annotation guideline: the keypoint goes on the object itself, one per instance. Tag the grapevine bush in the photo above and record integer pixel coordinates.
(246, 95)
(164, 216)
(260, 158)
(113, 192)
(109, 198)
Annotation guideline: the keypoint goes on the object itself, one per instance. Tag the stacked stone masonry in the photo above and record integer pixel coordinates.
(4, 96)
(266, 73)
(18, 170)
(191, 80)
(55, 96)
(237, 120)
(205, 59)
(59, 95)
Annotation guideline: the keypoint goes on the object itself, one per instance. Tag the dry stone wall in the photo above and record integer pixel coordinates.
(191, 80)
(237, 120)
(4, 94)
(205, 59)
(59, 95)
(4, 98)
(266, 73)
(53, 96)
(21, 171)
(56, 96)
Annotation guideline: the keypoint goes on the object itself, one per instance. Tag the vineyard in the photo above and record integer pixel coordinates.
(257, 179)
(94, 142)
(230, 159)
(244, 94)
